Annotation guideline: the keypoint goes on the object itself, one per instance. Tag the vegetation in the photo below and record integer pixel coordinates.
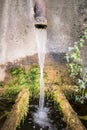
(76, 69)
(23, 103)
(70, 116)
(18, 112)
(1, 85)
(19, 78)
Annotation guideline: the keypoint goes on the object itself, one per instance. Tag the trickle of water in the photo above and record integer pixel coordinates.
(41, 39)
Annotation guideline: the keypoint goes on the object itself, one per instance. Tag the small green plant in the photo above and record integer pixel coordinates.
(1, 85)
(20, 78)
(77, 71)
(33, 78)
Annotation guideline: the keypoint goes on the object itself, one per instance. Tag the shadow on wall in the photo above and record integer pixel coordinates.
(55, 59)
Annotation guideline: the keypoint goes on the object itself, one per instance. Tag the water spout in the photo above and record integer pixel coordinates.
(40, 14)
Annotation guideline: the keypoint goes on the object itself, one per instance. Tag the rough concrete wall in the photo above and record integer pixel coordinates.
(18, 31)
(82, 11)
(62, 24)
(4, 7)
(1, 9)
(21, 34)
(17, 34)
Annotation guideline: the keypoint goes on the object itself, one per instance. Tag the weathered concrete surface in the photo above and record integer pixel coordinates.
(17, 30)
(1, 8)
(82, 11)
(19, 34)
(62, 24)
(66, 19)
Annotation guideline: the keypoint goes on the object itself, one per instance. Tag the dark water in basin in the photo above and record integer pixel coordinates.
(55, 119)
(80, 109)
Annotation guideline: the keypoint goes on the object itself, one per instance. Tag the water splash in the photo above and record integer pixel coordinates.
(41, 118)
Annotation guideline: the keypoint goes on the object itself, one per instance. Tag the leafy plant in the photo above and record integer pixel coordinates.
(34, 85)
(20, 78)
(1, 85)
(77, 71)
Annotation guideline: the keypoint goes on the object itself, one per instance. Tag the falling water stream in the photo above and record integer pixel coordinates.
(41, 38)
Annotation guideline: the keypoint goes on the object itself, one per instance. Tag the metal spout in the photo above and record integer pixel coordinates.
(40, 14)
